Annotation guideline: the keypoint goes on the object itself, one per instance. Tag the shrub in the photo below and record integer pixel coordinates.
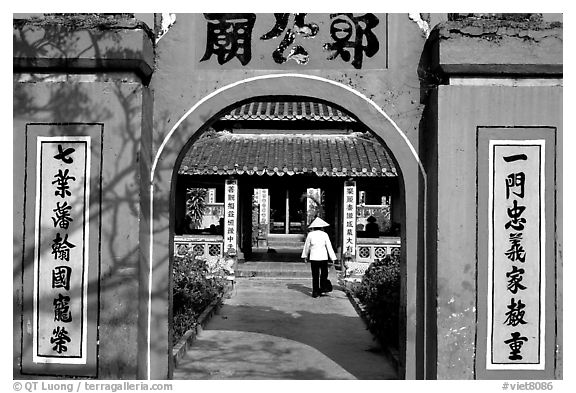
(379, 292)
(192, 292)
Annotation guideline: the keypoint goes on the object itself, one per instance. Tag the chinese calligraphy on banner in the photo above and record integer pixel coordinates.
(337, 40)
(230, 214)
(516, 306)
(61, 249)
(60, 277)
(262, 194)
(349, 218)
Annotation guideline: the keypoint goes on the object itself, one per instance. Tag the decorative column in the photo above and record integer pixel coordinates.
(349, 238)
(230, 215)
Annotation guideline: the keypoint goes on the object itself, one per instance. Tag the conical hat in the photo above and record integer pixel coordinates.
(318, 223)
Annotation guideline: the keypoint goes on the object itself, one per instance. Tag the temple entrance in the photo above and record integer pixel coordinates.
(237, 180)
(287, 210)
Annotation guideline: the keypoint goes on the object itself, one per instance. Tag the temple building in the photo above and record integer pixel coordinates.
(292, 161)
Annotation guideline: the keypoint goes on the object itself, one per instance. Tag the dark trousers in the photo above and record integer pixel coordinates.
(319, 274)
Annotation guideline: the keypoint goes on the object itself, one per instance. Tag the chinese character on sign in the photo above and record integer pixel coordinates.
(62, 218)
(514, 278)
(297, 53)
(63, 155)
(62, 309)
(515, 180)
(515, 315)
(228, 36)
(516, 157)
(516, 251)
(60, 337)
(353, 32)
(61, 247)
(62, 187)
(515, 343)
(514, 213)
(61, 277)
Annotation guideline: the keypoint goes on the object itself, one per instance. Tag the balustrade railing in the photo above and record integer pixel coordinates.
(199, 245)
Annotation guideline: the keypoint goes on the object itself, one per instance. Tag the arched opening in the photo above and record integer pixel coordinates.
(162, 206)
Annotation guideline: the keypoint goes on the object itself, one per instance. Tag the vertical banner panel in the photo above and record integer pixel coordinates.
(349, 218)
(516, 215)
(263, 202)
(62, 240)
(61, 248)
(230, 215)
(516, 258)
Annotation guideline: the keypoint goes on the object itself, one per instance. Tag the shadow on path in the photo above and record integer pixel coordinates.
(293, 327)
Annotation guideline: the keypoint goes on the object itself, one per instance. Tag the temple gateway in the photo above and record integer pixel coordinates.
(431, 140)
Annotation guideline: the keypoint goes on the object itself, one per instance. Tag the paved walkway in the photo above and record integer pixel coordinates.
(274, 329)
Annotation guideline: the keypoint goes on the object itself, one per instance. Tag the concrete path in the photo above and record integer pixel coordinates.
(274, 329)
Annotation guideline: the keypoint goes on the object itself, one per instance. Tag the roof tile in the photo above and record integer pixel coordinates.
(301, 110)
(324, 155)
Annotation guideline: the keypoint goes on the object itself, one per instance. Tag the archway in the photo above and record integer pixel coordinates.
(157, 227)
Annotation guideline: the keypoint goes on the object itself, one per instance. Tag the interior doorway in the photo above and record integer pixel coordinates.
(287, 210)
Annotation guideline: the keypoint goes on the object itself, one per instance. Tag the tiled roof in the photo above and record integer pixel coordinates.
(290, 154)
(312, 111)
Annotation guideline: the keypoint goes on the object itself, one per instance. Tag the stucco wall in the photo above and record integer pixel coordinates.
(460, 111)
(118, 106)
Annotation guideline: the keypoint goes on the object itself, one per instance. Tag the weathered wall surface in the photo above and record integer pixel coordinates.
(109, 92)
(460, 111)
(118, 107)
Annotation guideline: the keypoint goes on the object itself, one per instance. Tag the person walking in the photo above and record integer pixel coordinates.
(317, 250)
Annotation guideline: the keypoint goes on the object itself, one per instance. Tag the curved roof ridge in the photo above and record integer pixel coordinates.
(288, 110)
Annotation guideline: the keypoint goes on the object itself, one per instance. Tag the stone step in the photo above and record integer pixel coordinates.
(278, 245)
(284, 270)
(276, 255)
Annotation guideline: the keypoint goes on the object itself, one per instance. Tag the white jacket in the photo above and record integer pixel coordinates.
(318, 247)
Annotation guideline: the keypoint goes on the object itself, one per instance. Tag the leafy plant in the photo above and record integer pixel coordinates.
(379, 291)
(192, 292)
(196, 204)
